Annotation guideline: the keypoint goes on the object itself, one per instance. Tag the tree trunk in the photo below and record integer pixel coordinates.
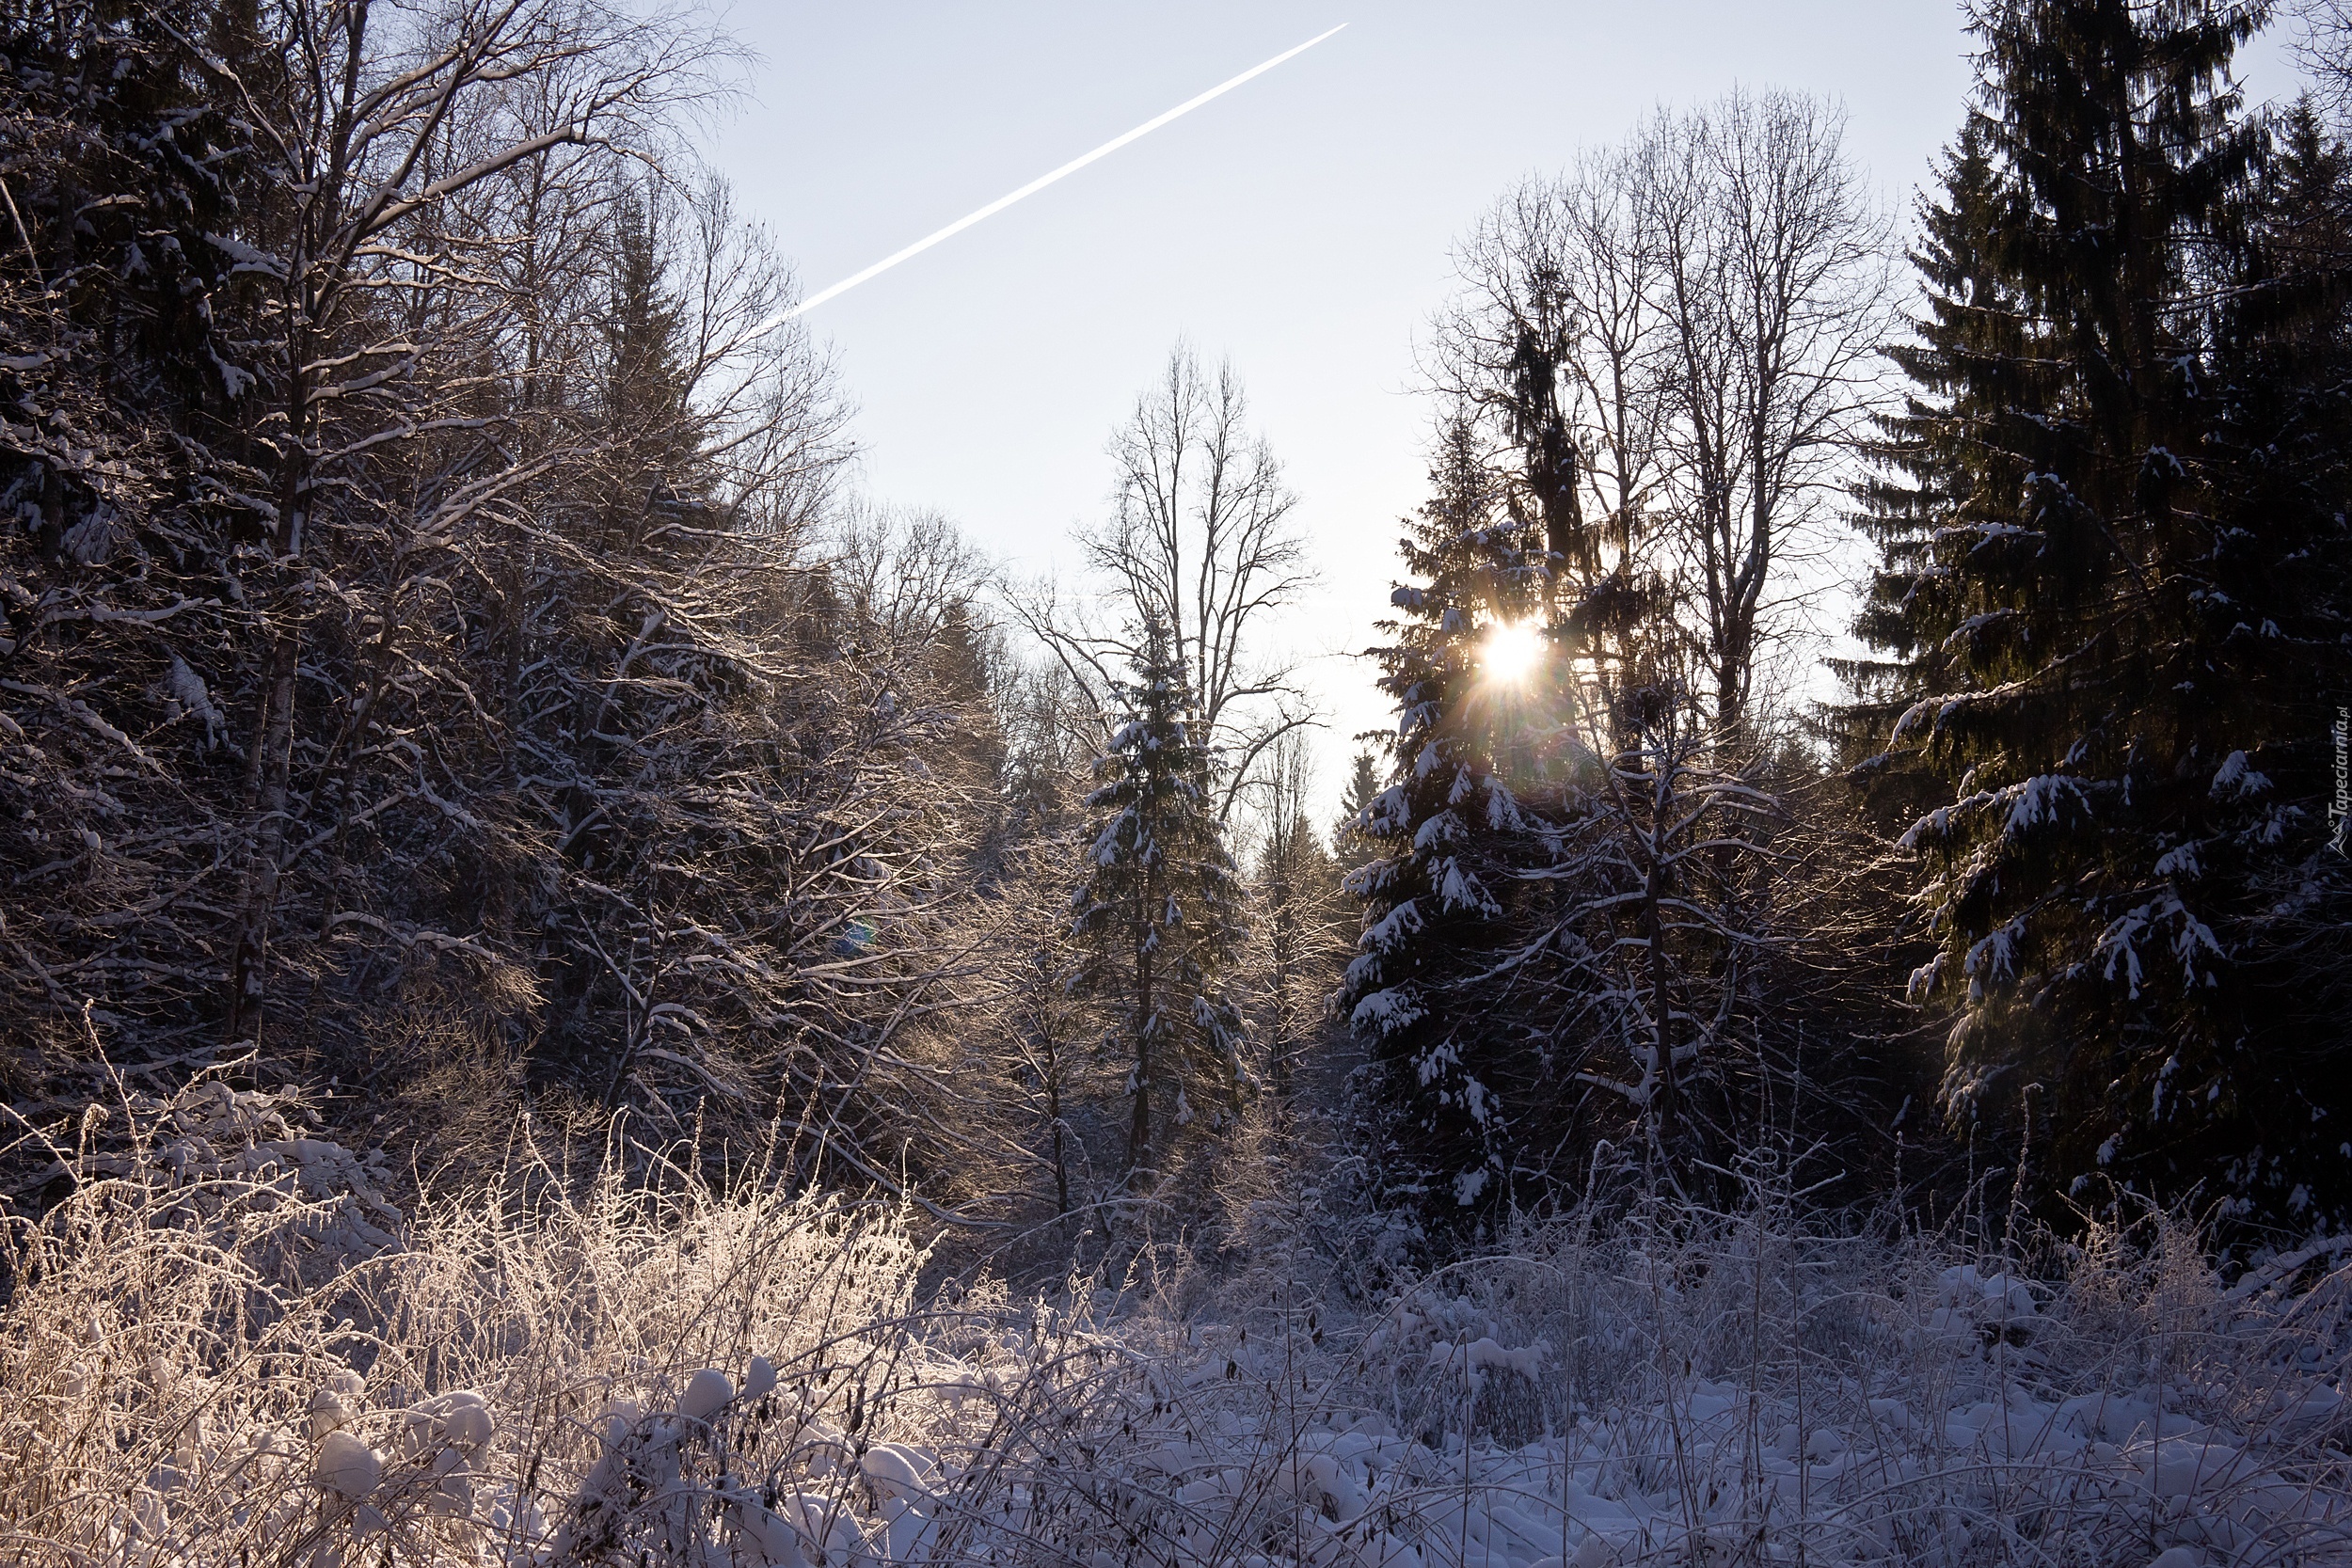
(265, 827)
(1053, 1111)
(1285, 921)
(265, 844)
(1139, 1128)
(1661, 1006)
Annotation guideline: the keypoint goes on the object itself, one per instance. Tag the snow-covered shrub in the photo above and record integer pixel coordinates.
(1751, 1387)
(215, 1353)
(207, 1361)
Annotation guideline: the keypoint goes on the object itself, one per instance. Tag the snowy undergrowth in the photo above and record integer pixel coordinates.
(219, 1351)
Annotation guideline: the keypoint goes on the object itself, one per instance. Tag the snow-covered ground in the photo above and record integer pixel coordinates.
(223, 1350)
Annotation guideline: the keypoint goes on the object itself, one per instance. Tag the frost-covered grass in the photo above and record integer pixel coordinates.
(220, 1351)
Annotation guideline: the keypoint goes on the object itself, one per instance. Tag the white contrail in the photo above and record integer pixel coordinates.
(1038, 185)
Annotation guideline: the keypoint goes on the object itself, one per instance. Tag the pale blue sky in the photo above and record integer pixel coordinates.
(1299, 225)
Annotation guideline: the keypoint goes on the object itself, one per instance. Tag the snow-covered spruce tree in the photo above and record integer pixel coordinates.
(1451, 833)
(2110, 605)
(1160, 909)
(1348, 845)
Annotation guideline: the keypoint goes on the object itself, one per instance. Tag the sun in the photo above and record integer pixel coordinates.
(1511, 651)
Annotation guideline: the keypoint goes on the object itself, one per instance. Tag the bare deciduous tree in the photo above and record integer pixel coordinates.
(1674, 345)
(1199, 541)
(1556, 339)
(906, 573)
(2324, 50)
(1774, 279)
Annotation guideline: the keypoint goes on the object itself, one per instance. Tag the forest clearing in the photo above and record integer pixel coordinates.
(581, 983)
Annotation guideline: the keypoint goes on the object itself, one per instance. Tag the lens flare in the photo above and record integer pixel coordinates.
(1511, 651)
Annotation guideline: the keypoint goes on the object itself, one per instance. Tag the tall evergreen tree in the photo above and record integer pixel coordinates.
(1160, 909)
(2109, 521)
(1451, 832)
(1364, 788)
(656, 446)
